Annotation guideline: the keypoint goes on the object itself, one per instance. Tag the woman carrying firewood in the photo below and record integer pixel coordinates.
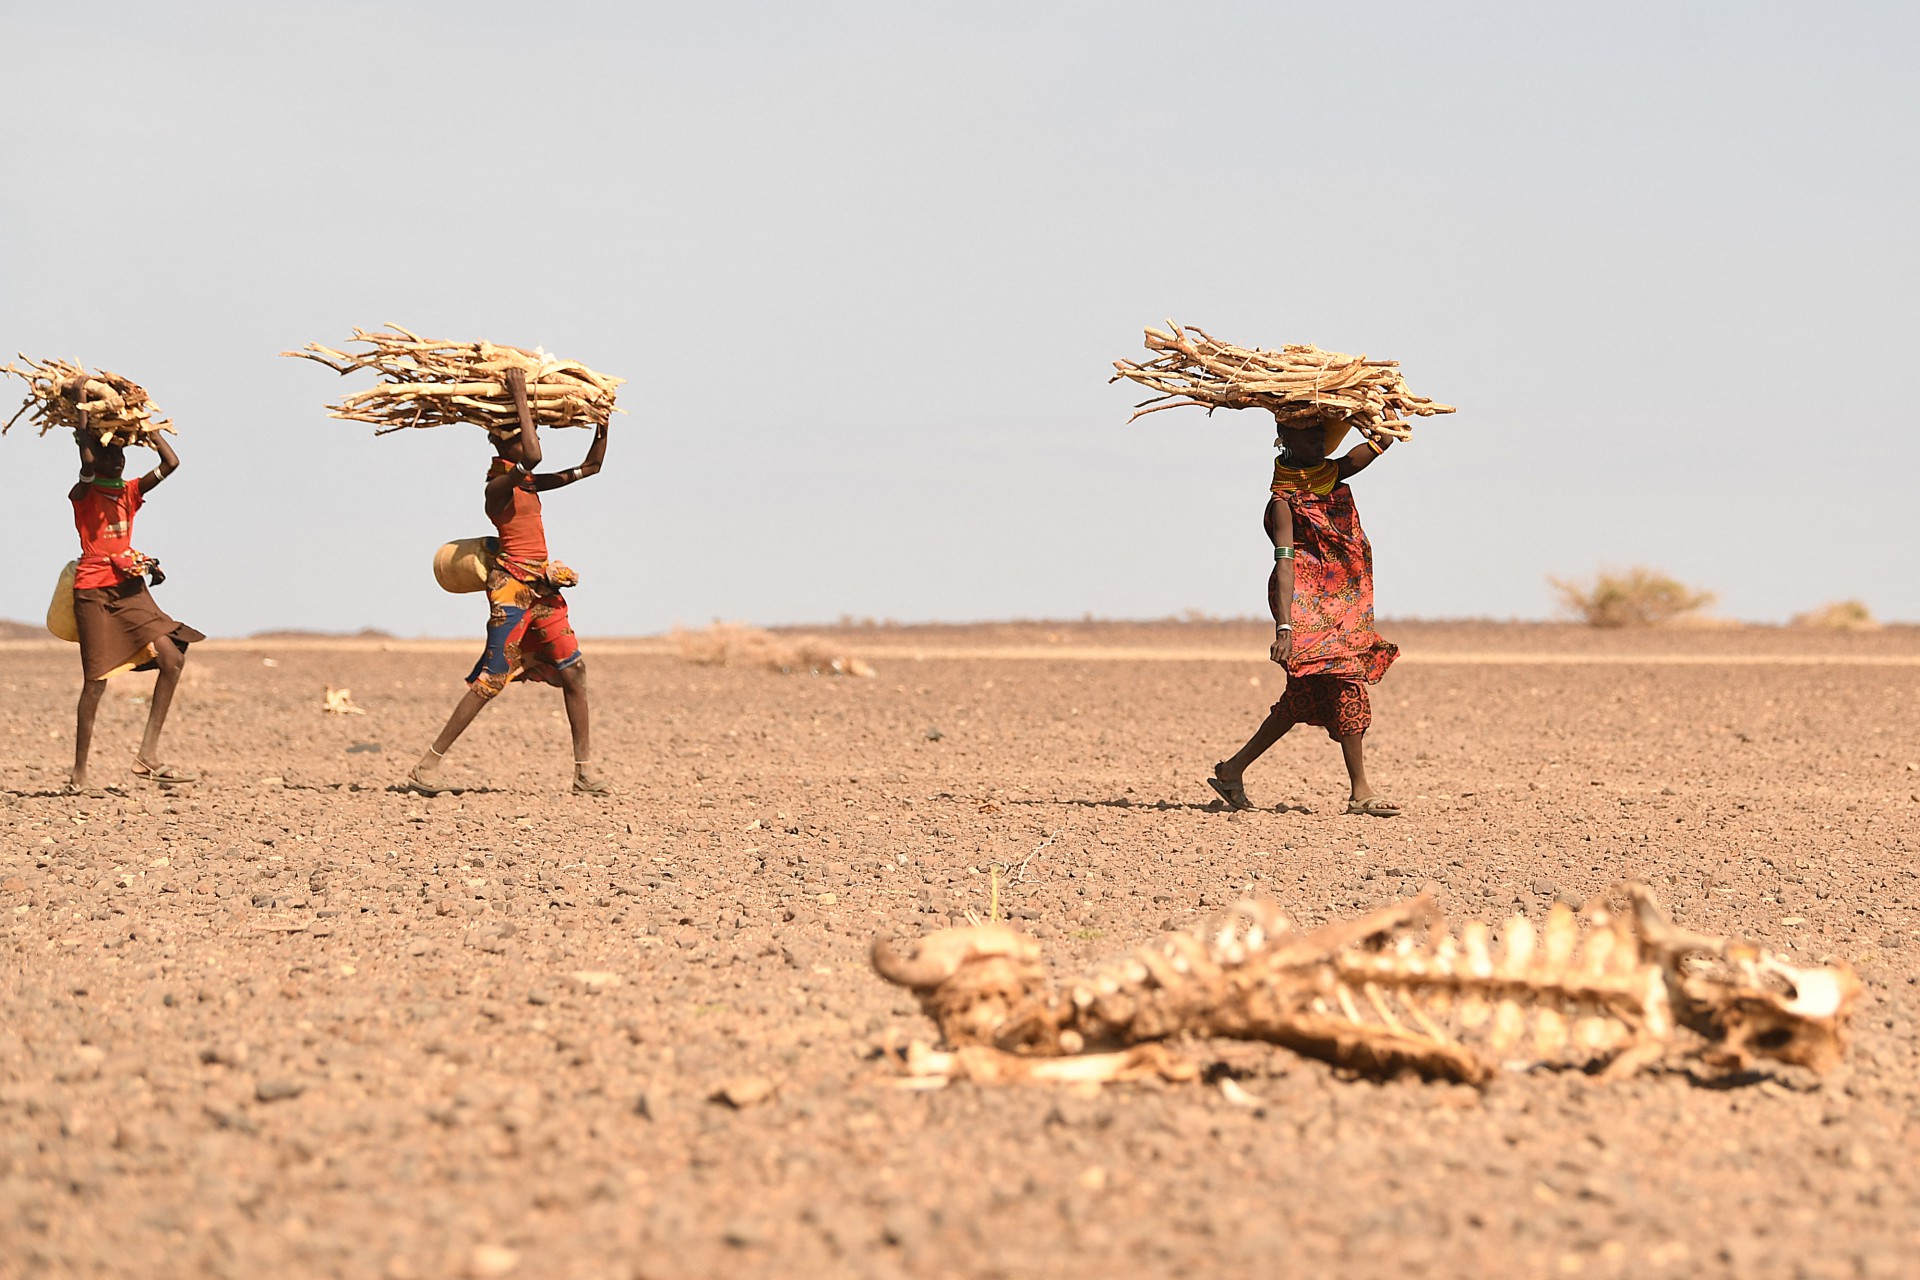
(1321, 596)
(120, 626)
(528, 635)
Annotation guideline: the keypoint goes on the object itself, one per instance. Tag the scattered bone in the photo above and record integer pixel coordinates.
(60, 392)
(1230, 1090)
(922, 1067)
(340, 703)
(745, 1091)
(1299, 385)
(1379, 995)
(427, 382)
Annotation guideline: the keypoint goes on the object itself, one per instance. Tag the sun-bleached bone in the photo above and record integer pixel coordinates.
(1394, 990)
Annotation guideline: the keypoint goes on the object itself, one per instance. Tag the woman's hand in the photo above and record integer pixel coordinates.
(88, 445)
(1282, 646)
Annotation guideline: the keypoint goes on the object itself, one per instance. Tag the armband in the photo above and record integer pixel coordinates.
(1282, 553)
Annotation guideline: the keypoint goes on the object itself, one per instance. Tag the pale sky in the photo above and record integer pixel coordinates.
(865, 267)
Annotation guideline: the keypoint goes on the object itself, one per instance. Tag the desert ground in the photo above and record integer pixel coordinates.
(291, 1021)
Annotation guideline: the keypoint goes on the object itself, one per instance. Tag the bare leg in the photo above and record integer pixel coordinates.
(1271, 730)
(463, 713)
(1353, 750)
(172, 662)
(573, 684)
(90, 693)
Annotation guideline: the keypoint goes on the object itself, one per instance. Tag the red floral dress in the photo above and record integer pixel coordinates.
(1333, 590)
(1336, 652)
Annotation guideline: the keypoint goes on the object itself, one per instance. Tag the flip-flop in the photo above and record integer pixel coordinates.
(164, 775)
(88, 793)
(1234, 793)
(597, 789)
(1374, 807)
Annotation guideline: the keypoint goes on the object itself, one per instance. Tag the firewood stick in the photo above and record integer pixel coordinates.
(1189, 367)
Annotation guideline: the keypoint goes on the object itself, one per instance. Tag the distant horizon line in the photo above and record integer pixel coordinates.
(16, 631)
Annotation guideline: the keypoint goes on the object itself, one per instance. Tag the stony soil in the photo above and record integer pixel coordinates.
(293, 1022)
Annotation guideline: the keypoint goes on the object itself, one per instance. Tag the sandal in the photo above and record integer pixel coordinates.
(1374, 807)
(1234, 793)
(87, 793)
(421, 787)
(164, 775)
(591, 788)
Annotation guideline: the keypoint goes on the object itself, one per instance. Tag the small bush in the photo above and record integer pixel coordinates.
(733, 644)
(1842, 615)
(1637, 598)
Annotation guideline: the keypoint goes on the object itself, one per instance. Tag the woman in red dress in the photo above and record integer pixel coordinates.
(121, 627)
(1321, 598)
(529, 637)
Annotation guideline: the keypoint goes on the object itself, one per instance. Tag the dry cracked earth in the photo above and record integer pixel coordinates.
(291, 1021)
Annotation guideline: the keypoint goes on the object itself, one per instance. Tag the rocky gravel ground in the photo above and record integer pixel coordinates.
(290, 1020)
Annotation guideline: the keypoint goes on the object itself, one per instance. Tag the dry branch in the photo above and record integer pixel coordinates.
(1392, 991)
(428, 382)
(61, 393)
(1299, 385)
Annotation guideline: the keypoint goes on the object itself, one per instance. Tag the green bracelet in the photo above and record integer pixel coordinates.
(1283, 553)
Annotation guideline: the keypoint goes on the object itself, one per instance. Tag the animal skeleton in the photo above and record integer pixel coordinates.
(1394, 990)
(1299, 384)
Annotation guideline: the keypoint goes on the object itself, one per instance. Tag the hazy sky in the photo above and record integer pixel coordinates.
(866, 265)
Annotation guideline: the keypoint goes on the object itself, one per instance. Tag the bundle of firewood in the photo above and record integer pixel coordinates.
(63, 395)
(1300, 385)
(426, 382)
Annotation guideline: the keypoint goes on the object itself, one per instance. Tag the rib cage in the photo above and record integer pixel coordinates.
(1398, 989)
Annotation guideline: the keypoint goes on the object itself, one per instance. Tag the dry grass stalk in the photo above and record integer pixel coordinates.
(733, 644)
(117, 409)
(1842, 615)
(1299, 385)
(428, 382)
(1640, 597)
(1394, 990)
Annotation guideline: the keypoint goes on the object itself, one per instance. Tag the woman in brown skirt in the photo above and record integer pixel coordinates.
(121, 628)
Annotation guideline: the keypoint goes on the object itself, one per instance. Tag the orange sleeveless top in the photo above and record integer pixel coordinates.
(103, 516)
(523, 533)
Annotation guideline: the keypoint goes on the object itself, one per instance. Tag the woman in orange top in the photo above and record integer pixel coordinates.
(1321, 597)
(121, 628)
(528, 635)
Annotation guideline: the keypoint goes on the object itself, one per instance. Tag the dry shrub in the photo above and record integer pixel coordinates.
(1842, 615)
(1639, 597)
(734, 644)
